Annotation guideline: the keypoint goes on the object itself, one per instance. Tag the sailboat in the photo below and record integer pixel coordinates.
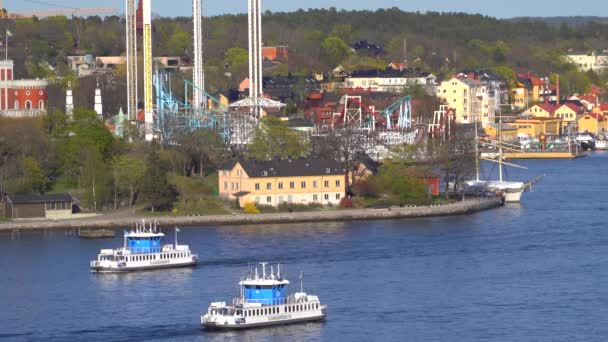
(512, 191)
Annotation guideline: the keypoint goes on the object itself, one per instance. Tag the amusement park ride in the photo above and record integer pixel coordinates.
(165, 115)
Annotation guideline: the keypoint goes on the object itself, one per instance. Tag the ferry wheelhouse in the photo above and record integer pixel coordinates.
(143, 250)
(264, 302)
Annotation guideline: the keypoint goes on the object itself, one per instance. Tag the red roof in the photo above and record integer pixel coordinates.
(548, 107)
(598, 117)
(574, 107)
(591, 98)
(315, 96)
(536, 81)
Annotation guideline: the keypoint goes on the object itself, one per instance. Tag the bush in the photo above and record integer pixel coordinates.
(251, 208)
(346, 202)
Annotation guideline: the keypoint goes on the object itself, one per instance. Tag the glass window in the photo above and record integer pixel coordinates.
(314, 184)
(326, 184)
(314, 197)
(268, 199)
(292, 185)
(268, 186)
(337, 183)
(303, 184)
(225, 185)
(257, 186)
(289, 199)
(337, 196)
(280, 185)
(280, 199)
(326, 197)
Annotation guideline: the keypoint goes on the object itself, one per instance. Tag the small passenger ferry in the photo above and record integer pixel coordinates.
(264, 302)
(143, 250)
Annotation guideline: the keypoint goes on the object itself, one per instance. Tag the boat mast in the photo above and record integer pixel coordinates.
(476, 152)
(301, 282)
(499, 145)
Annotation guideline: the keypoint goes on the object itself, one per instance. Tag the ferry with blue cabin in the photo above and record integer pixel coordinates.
(264, 302)
(143, 250)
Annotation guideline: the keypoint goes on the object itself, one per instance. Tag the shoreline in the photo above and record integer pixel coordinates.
(465, 207)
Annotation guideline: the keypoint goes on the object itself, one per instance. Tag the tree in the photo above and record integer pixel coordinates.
(128, 175)
(401, 183)
(203, 146)
(236, 57)
(35, 180)
(156, 187)
(335, 49)
(272, 138)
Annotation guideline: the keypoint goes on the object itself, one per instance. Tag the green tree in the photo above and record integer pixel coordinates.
(401, 184)
(272, 138)
(335, 49)
(236, 57)
(128, 175)
(35, 179)
(156, 187)
(178, 42)
(205, 148)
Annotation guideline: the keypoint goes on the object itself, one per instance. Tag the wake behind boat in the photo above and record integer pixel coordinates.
(143, 250)
(264, 302)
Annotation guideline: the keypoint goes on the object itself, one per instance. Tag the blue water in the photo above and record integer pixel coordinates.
(537, 271)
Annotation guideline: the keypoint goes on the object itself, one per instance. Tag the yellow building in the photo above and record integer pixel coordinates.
(543, 110)
(472, 100)
(568, 113)
(301, 181)
(593, 123)
(508, 133)
(534, 127)
(520, 95)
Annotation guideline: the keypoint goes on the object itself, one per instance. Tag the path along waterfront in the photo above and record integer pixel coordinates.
(467, 206)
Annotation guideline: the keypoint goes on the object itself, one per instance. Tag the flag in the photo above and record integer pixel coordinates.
(9, 33)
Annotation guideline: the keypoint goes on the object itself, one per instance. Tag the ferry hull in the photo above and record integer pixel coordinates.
(105, 269)
(221, 326)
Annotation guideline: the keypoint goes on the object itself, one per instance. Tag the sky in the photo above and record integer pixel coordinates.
(500, 9)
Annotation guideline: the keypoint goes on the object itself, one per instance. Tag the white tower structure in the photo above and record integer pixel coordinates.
(148, 92)
(198, 72)
(255, 49)
(131, 40)
(98, 102)
(69, 101)
(256, 101)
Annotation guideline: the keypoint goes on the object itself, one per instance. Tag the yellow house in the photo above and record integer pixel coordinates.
(568, 113)
(273, 182)
(520, 95)
(508, 133)
(593, 123)
(473, 100)
(543, 110)
(534, 127)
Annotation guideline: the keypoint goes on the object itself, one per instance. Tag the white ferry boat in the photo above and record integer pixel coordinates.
(143, 250)
(264, 302)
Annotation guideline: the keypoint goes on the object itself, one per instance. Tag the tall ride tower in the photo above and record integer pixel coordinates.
(255, 52)
(198, 73)
(148, 92)
(131, 40)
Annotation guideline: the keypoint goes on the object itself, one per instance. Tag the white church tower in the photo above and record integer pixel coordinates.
(69, 101)
(98, 103)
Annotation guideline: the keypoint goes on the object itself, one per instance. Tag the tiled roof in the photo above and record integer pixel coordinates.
(288, 168)
(572, 106)
(37, 198)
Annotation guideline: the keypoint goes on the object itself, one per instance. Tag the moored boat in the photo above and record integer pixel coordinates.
(601, 144)
(264, 302)
(143, 250)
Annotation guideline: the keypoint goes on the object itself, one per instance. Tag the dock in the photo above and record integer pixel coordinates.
(543, 155)
(96, 234)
